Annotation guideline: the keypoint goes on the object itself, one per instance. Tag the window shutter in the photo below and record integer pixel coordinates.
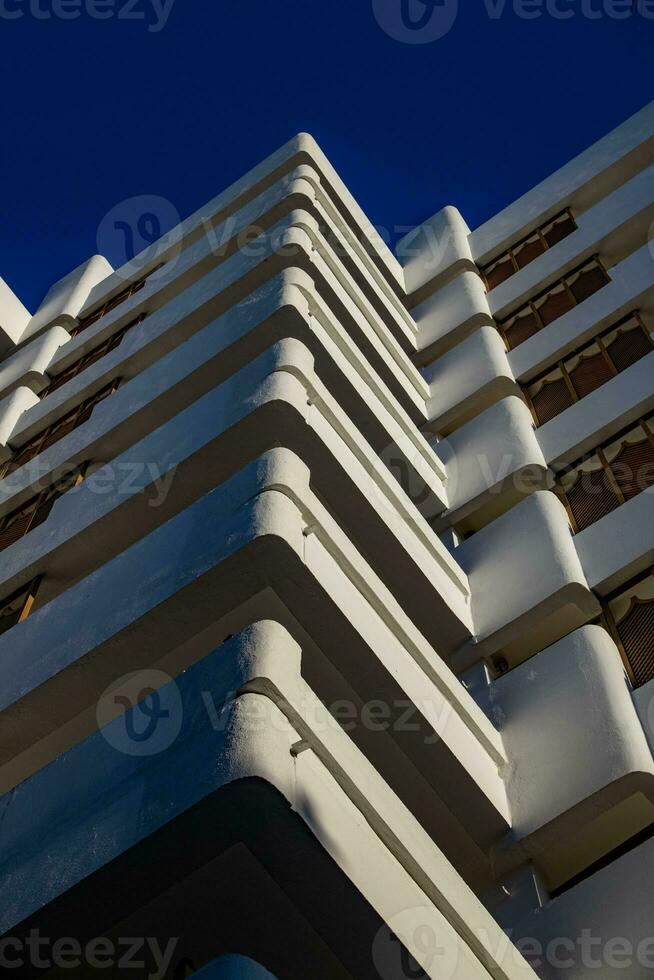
(591, 498)
(633, 467)
(588, 282)
(556, 304)
(524, 254)
(628, 347)
(590, 373)
(636, 631)
(524, 326)
(16, 527)
(551, 400)
(559, 229)
(499, 272)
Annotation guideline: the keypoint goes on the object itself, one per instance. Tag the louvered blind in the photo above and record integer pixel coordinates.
(528, 249)
(628, 347)
(589, 282)
(555, 306)
(20, 522)
(57, 430)
(590, 373)
(636, 631)
(591, 498)
(17, 607)
(633, 468)
(521, 329)
(551, 400)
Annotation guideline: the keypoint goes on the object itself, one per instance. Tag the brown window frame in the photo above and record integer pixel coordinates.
(47, 496)
(38, 440)
(29, 591)
(107, 306)
(609, 623)
(531, 303)
(647, 424)
(578, 352)
(509, 253)
(111, 343)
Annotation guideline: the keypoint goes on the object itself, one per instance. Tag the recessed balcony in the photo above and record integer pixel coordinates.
(613, 474)
(589, 368)
(527, 249)
(553, 303)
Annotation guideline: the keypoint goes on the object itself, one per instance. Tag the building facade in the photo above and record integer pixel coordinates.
(327, 591)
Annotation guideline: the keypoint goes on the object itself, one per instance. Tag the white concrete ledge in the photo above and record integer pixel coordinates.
(331, 785)
(528, 583)
(433, 251)
(492, 462)
(620, 545)
(12, 409)
(28, 366)
(564, 775)
(66, 298)
(450, 314)
(629, 289)
(597, 417)
(468, 379)
(616, 226)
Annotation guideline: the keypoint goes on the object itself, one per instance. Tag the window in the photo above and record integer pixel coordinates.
(629, 616)
(56, 431)
(528, 249)
(18, 606)
(558, 299)
(21, 521)
(111, 304)
(110, 344)
(588, 368)
(610, 476)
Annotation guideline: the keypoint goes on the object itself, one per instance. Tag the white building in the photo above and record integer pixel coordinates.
(349, 557)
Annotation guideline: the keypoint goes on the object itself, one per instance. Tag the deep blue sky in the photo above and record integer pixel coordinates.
(95, 112)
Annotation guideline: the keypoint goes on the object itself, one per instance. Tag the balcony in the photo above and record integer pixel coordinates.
(588, 368)
(83, 362)
(610, 476)
(528, 249)
(19, 522)
(110, 304)
(56, 431)
(629, 616)
(557, 300)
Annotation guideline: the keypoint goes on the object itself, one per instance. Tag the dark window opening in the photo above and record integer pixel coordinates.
(553, 303)
(528, 249)
(613, 474)
(588, 368)
(56, 431)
